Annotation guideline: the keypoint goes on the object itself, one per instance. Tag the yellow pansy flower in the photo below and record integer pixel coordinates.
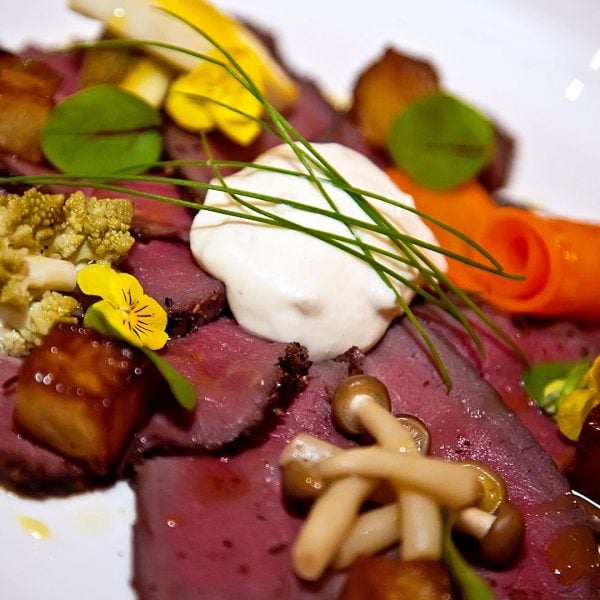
(199, 99)
(138, 318)
(574, 408)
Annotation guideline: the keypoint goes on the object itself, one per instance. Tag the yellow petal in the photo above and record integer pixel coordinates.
(95, 279)
(124, 290)
(185, 106)
(204, 97)
(241, 132)
(573, 410)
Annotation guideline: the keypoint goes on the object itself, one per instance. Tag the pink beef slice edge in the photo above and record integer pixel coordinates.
(216, 527)
(238, 378)
(502, 369)
(168, 272)
(470, 422)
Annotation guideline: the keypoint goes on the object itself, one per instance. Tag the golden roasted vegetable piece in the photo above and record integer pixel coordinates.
(84, 395)
(381, 578)
(385, 88)
(27, 88)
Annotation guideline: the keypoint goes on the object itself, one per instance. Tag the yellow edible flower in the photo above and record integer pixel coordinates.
(200, 99)
(575, 406)
(138, 318)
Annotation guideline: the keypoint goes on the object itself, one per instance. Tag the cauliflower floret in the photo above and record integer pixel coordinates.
(13, 275)
(43, 237)
(22, 329)
(31, 220)
(74, 228)
(102, 225)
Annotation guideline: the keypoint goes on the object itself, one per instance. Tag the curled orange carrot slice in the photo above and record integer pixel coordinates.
(558, 259)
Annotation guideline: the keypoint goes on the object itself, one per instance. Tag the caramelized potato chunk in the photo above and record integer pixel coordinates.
(27, 88)
(385, 88)
(84, 395)
(380, 578)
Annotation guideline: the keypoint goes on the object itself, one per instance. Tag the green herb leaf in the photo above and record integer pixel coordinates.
(180, 387)
(440, 141)
(470, 584)
(102, 130)
(547, 383)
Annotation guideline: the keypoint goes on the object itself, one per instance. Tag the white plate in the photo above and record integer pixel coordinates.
(534, 66)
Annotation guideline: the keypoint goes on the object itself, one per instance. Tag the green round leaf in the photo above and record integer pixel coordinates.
(440, 141)
(102, 130)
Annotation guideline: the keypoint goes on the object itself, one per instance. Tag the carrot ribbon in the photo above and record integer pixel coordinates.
(559, 259)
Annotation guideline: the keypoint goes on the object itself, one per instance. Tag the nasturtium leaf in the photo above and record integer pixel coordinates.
(182, 390)
(547, 383)
(440, 141)
(102, 130)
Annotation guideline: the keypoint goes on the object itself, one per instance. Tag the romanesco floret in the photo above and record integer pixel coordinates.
(20, 331)
(42, 239)
(74, 228)
(13, 275)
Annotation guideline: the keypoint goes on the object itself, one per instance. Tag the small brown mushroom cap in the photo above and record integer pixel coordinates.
(504, 540)
(419, 432)
(350, 392)
(492, 483)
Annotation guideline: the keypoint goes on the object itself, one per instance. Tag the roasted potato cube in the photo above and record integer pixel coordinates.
(22, 118)
(27, 88)
(382, 578)
(385, 88)
(84, 395)
(19, 74)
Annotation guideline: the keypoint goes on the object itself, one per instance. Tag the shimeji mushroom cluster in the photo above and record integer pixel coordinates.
(408, 488)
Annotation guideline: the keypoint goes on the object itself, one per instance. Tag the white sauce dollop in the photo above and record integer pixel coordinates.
(288, 286)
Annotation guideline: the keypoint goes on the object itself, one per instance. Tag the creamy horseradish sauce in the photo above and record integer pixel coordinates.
(287, 286)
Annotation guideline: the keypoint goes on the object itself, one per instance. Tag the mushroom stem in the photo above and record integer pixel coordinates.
(446, 482)
(421, 527)
(374, 531)
(328, 522)
(46, 273)
(363, 402)
(474, 522)
(383, 426)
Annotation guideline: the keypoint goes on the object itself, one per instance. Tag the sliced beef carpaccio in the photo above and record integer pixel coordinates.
(216, 527)
(470, 421)
(25, 466)
(238, 377)
(190, 296)
(503, 370)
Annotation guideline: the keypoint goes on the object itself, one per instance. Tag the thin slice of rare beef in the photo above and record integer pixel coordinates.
(239, 379)
(471, 422)
(25, 466)
(168, 272)
(216, 527)
(311, 116)
(151, 218)
(503, 370)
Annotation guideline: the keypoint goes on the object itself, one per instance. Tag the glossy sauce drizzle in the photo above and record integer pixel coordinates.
(572, 554)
